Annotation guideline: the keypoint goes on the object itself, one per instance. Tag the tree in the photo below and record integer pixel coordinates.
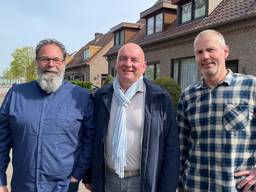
(7, 74)
(22, 65)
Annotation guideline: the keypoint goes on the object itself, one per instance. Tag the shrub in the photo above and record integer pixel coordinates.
(83, 84)
(109, 79)
(171, 86)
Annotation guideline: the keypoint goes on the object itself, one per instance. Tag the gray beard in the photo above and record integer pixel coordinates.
(49, 82)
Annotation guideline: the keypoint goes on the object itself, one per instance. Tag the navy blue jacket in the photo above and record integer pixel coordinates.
(160, 146)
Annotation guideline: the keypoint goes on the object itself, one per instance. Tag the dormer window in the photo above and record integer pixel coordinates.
(159, 23)
(200, 8)
(186, 12)
(119, 37)
(192, 10)
(86, 54)
(155, 24)
(150, 25)
(123, 32)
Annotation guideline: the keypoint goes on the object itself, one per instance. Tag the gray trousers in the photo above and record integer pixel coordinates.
(115, 184)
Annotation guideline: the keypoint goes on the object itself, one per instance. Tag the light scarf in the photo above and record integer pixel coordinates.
(119, 140)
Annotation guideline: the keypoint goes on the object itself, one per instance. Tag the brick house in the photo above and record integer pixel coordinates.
(170, 27)
(89, 63)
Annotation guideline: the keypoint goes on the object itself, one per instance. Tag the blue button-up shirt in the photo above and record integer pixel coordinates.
(51, 136)
(217, 133)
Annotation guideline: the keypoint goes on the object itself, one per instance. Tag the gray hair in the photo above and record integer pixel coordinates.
(220, 37)
(49, 42)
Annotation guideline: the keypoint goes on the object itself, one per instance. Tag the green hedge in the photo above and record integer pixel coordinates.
(83, 84)
(166, 83)
(171, 86)
(108, 80)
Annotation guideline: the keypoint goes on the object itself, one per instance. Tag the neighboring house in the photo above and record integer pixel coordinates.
(123, 33)
(171, 26)
(89, 63)
(69, 58)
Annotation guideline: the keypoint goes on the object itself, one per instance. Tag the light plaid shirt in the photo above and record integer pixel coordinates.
(217, 133)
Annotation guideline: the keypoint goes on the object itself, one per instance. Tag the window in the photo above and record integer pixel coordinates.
(150, 26)
(155, 24)
(186, 12)
(184, 71)
(233, 65)
(200, 8)
(119, 38)
(112, 71)
(159, 22)
(153, 71)
(86, 54)
(192, 10)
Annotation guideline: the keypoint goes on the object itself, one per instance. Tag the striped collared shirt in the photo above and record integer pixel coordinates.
(217, 133)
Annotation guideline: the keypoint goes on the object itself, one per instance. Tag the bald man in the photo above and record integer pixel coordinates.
(137, 145)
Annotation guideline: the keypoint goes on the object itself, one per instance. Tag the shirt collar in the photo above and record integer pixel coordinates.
(226, 81)
(141, 86)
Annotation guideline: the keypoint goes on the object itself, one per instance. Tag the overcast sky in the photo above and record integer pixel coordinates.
(26, 22)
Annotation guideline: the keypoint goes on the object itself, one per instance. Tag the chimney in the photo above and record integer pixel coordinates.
(98, 36)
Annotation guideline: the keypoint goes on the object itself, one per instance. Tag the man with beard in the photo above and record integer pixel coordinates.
(48, 124)
(216, 118)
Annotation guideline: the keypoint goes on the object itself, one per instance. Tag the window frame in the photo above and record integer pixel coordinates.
(86, 54)
(233, 65)
(153, 17)
(192, 11)
(156, 72)
(120, 36)
(179, 60)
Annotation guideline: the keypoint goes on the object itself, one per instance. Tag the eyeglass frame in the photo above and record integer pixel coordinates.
(46, 60)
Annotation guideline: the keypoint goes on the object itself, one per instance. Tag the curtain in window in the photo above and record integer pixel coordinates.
(188, 72)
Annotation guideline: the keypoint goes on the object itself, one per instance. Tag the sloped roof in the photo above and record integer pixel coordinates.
(126, 25)
(227, 11)
(161, 4)
(78, 60)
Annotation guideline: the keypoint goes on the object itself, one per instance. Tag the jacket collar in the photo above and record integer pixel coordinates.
(107, 92)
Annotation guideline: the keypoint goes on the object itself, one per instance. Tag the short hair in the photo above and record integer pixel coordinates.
(50, 42)
(220, 37)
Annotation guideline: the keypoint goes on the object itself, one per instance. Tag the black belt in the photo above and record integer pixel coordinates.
(131, 173)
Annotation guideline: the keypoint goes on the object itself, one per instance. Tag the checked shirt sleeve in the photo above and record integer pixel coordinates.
(185, 143)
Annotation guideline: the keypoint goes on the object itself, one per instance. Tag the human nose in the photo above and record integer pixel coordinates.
(205, 55)
(128, 62)
(51, 63)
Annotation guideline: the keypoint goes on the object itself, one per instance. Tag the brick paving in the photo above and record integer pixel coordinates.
(3, 91)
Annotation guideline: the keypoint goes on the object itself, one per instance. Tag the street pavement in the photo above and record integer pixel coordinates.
(3, 91)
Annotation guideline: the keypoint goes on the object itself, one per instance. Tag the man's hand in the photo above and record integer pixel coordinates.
(249, 180)
(73, 185)
(73, 179)
(3, 189)
(88, 187)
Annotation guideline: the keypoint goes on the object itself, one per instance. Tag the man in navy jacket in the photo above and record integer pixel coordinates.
(136, 143)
